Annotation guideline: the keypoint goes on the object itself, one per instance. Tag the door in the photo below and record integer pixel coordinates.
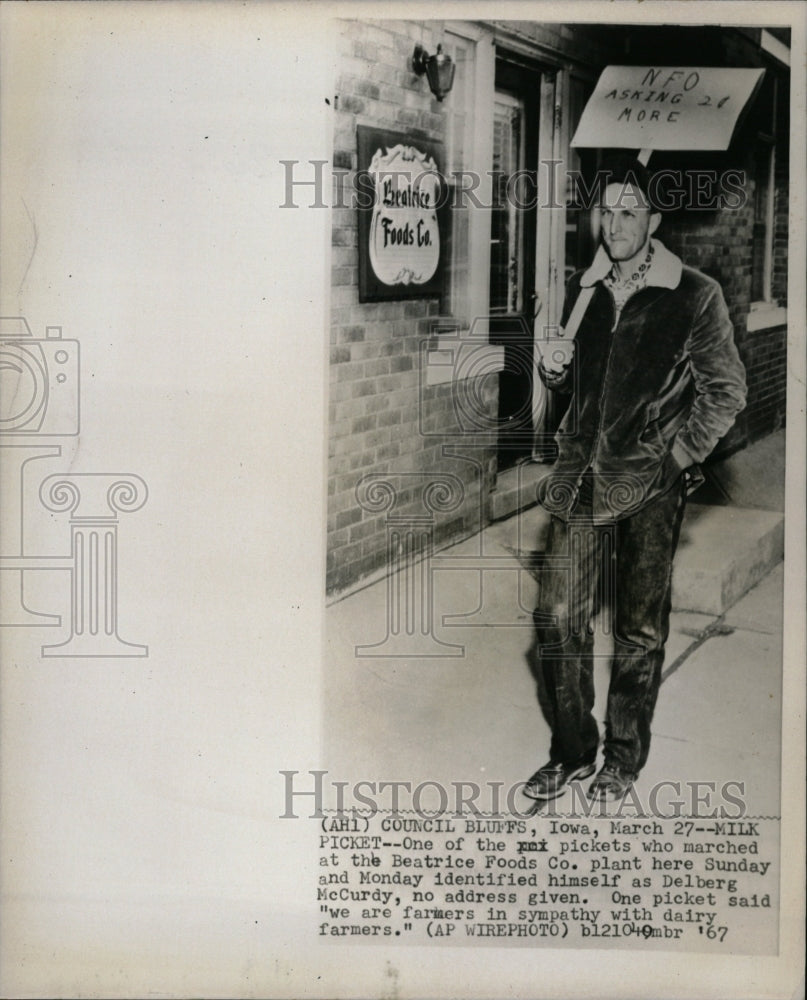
(512, 254)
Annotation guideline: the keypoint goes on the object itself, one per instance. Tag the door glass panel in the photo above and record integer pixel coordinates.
(579, 244)
(511, 263)
(506, 237)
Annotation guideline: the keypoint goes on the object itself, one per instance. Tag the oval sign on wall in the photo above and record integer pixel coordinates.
(400, 238)
(404, 236)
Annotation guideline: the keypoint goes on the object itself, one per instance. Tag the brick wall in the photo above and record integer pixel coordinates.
(588, 46)
(781, 208)
(721, 244)
(721, 247)
(381, 422)
(765, 356)
(764, 352)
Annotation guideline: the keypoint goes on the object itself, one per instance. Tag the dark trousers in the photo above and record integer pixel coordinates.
(627, 566)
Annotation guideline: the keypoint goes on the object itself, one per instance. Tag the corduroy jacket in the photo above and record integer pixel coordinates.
(652, 393)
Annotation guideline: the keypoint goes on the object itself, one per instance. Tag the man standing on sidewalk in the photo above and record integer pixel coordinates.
(656, 381)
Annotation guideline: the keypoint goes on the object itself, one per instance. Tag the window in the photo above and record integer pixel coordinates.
(469, 131)
(764, 192)
(580, 242)
(763, 171)
(459, 149)
(767, 157)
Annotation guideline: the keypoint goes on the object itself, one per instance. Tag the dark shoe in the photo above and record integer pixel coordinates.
(611, 784)
(550, 780)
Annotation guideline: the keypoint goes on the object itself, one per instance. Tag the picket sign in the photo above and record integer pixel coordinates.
(666, 107)
(660, 107)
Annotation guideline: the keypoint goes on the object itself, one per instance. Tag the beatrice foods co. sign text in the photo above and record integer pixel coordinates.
(666, 107)
(399, 233)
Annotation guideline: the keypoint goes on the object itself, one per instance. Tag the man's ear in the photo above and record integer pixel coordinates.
(655, 222)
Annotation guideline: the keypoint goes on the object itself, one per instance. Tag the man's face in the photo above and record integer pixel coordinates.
(626, 222)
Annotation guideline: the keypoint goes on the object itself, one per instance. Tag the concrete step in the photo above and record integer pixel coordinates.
(723, 551)
(753, 477)
(515, 489)
(722, 554)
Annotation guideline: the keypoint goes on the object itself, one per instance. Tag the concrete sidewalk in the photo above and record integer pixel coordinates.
(455, 700)
(475, 716)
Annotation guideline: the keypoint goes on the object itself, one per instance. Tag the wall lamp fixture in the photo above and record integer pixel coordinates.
(438, 68)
